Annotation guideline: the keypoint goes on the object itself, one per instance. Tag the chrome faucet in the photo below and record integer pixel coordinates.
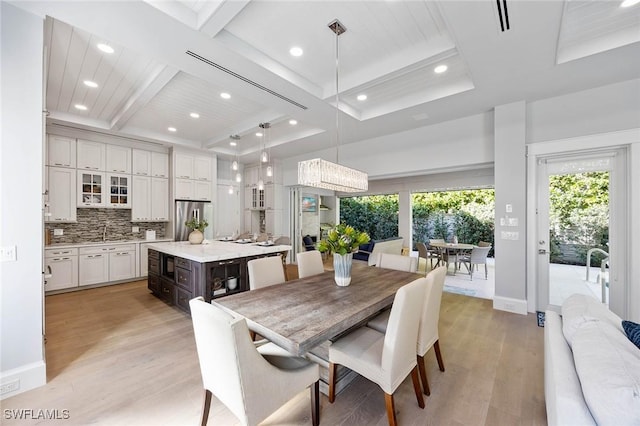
(104, 232)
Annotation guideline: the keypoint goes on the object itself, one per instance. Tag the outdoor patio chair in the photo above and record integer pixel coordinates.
(478, 256)
(427, 255)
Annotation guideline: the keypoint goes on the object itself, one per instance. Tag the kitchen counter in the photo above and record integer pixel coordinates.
(212, 251)
(105, 243)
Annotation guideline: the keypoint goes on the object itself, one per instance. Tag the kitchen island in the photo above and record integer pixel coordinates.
(179, 271)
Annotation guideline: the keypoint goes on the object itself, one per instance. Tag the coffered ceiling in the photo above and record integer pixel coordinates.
(174, 58)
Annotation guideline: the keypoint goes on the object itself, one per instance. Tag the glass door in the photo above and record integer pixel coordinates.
(580, 228)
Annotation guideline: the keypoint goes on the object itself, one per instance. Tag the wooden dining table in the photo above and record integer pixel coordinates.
(301, 314)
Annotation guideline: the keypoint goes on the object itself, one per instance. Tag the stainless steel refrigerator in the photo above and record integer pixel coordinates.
(185, 210)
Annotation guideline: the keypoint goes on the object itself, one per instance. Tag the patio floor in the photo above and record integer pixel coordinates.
(572, 280)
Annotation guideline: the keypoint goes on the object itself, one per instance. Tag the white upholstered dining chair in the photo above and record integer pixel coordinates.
(428, 336)
(251, 382)
(309, 263)
(397, 262)
(265, 271)
(385, 358)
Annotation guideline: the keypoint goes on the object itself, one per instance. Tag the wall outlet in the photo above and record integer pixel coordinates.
(8, 254)
(11, 386)
(58, 232)
(135, 229)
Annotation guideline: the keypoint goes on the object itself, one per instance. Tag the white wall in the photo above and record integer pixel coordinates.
(21, 220)
(510, 187)
(603, 109)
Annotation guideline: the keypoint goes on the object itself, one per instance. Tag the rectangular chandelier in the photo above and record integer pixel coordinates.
(320, 173)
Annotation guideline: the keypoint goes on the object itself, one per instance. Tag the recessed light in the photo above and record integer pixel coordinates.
(172, 129)
(225, 95)
(90, 83)
(296, 51)
(105, 48)
(629, 3)
(362, 97)
(232, 143)
(258, 134)
(440, 69)
(194, 115)
(80, 107)
(293, 122)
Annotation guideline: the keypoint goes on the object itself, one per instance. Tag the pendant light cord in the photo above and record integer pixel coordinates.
(337, 102)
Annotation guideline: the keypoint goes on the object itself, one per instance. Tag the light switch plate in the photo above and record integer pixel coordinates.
(135, 229)
(58, 232)
(8, 254)
(509, 208)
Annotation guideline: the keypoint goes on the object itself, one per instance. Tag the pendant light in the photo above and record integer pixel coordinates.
(263, 156)
(321, 173)
(235, 164)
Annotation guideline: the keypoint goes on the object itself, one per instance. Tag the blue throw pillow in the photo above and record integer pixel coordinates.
(633, 332)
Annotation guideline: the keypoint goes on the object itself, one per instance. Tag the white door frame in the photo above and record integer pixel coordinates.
(613, 140)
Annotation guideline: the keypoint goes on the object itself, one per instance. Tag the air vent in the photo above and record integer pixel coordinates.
(245, 79)
(503, 14)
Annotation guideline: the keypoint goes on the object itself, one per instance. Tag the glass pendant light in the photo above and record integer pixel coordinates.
(235, 164)
(230, 189)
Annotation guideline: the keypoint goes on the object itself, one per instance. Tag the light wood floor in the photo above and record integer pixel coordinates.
(119, 356)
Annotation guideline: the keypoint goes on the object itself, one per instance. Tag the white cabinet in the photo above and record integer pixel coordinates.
(61, 187)
(141, 206)
(202, 191)
(141, 162)
(91, 155)
(228, 211)
(185, 189)
(202, 168)
(61, 266)
(273, 197)
(159, 200)
(122, 263)
(150, 199)
(106, 263)
(118, 159)
(93, 265)
(273, 222)
(160, 165)
(184, 166)
(149, 163)
(251, 176)
(61, 151)
(91, 189)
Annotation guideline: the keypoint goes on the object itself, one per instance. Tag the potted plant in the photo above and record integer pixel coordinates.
(197, 227)
(342, 241)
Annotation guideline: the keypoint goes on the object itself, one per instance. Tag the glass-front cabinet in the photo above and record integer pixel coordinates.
(119, 191)
(91, 189)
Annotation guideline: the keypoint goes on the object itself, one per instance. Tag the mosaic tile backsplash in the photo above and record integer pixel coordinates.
(90, 227)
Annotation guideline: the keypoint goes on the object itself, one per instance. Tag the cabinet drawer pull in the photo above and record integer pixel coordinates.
(165, 290)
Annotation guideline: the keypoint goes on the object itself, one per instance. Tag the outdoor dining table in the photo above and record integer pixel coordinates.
(453, 249)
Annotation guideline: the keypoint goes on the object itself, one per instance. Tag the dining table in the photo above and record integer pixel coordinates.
(452, 249)
(300, 314)
(304, 315)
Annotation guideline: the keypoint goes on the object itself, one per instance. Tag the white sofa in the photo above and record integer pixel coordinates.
(591, 368)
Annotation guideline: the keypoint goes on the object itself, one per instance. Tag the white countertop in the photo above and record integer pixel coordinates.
(100, 243)
(212, 251)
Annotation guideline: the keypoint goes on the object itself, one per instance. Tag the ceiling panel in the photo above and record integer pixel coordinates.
(185, 94)
(590, 27)
(375, 30)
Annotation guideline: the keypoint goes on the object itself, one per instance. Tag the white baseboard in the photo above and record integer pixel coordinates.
(24, 378)
(516, 306)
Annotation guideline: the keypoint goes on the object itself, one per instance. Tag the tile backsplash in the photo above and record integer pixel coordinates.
(90, 227)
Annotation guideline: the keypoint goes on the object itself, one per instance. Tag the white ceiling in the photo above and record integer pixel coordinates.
(388, 53)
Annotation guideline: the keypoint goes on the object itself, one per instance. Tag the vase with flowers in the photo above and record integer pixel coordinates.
(342, 241)
(197, 227)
